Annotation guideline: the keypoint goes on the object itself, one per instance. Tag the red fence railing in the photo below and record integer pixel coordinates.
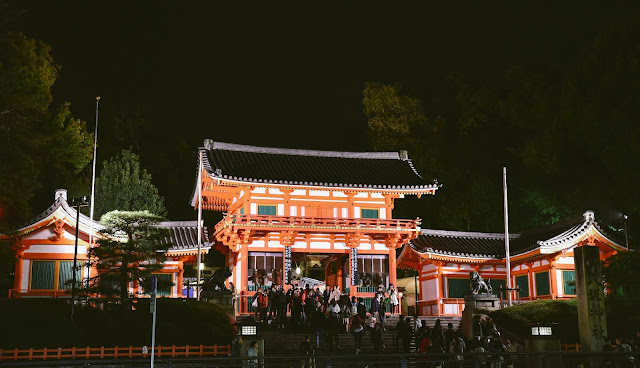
(115, 352)
(317, 222)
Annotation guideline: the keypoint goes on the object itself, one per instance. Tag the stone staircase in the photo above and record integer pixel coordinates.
(278, 342)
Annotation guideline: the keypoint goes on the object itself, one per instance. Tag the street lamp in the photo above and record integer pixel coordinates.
(77, 203)
(626, 236)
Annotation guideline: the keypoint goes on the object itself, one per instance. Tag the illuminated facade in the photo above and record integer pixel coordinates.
(44, 250)
(325, 213)
(542, 264)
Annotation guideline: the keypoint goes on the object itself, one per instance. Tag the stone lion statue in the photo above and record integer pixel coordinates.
(478, 285)
(215, 283)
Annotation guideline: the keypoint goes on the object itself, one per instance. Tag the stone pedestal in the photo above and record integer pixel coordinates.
(592, 320)
(225, 301)
(473, 302)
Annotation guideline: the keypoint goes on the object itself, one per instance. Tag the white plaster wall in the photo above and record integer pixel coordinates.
(274, 244)
(275, 191)
(377, 195)
(238, 272)
(345, 213)
(361, 195)
(383, 213)
(364, 246)
(319, 193)
(565, 260)
(451, 309)
(428, 267)
(429, 289)
(559, 285)
(254, 209)
(545, 262)
(465, 267)
(335, 213)
(302, 211)
(257, 244)
(299, 244)
(293, 211)
(26, 270)
(340, 246)
(280, 209)
(380, 246)
(487, 268)
(536, 264)
(299, 192)
(501, 269)
(259, 191)
(55, 248)
(356, 212)
(319, 245)
(339, 194)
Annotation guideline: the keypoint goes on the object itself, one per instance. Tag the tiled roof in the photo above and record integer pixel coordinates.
(377, 170)
(492, 245)
(183, 235)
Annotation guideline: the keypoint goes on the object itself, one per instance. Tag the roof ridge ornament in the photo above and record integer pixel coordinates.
(589, 216)
(208, 144)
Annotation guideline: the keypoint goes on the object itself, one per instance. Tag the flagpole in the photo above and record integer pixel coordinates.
(506, 233)
(93, 183)
(199, 220)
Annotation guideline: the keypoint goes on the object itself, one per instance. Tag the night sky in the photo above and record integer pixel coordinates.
(289, 76)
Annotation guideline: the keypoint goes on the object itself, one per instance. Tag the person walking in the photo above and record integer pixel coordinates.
(375, 304)
(263, 303)
(357, 325)
(307, 352)
(376, 338)
(333, 329)
(403, 333)
(252, 353)
(318, 321)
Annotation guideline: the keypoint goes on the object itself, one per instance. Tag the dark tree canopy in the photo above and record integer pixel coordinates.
(120, 260)
(40, 150)
(123, 185)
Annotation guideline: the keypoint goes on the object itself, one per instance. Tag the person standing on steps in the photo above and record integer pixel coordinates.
(382, 312)
(393, 300)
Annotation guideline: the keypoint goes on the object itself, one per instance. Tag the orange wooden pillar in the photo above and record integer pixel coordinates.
(19, 269)
(553, 279)
(393, 268)
(180, 278)
(339, 273)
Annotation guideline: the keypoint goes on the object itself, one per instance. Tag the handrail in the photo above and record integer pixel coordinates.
(115, 352)
(316, 222)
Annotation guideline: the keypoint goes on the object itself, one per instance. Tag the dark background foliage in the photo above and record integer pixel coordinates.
(547, 90)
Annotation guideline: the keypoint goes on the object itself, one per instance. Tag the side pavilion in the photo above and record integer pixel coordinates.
(290, 214)
(542, 265)
(44, 249)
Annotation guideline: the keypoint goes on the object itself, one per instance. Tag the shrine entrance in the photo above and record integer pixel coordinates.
(315, 270)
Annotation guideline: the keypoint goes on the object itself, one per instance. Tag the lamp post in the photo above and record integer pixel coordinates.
(77, 203)
(626, 235)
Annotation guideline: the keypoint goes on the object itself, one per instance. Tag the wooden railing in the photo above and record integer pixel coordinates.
(317, 222)
(570, 347)
(115, 352)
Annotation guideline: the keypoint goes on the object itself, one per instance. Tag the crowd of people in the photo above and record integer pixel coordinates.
(328, 313)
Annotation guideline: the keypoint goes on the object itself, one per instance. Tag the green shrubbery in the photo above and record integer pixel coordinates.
(519, 318)
(41, 323)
